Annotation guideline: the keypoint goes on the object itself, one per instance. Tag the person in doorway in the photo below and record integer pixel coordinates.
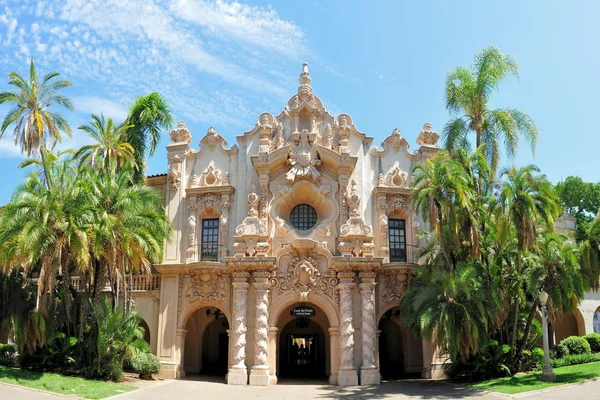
(295, 351)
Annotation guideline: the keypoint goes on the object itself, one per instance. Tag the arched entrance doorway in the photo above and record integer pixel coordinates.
(400, 350)
(303, 346)
(570, 324)
(146, 328)
(206, 348)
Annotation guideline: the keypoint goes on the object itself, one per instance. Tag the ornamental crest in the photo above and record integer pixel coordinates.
(304, 276)
(304, 159)
(203, 286)
(394, 285)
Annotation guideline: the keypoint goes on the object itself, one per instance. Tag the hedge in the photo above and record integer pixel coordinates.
(574, 359)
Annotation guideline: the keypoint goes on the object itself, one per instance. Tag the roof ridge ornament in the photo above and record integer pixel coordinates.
(305, 78)
(305, 88)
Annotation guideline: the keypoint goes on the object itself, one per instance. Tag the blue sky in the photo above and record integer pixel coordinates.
(222, 63)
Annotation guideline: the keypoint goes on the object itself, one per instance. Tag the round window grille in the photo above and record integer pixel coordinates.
(303, 217)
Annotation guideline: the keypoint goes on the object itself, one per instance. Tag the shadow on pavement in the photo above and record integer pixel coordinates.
(415, 389)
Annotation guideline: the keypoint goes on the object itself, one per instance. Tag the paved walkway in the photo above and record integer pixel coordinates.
(403, 390)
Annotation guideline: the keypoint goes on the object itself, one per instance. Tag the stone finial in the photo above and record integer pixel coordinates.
(181, 134)
(428, 137)
(305, 78)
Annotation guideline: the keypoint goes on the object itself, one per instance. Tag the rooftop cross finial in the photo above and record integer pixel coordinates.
(305, 75)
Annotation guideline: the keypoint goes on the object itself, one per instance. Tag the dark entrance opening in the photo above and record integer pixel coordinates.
(302, 350)
(400, 350)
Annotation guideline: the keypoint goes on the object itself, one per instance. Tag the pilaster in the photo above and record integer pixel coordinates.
(273, 336)
(369, 372)
(238, 373)
(259, 375)
(167, 347)
(347, 374)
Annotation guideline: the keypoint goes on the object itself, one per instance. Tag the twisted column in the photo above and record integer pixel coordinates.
(259, 375)
(347, 373)
(369, 372)
(238, 374)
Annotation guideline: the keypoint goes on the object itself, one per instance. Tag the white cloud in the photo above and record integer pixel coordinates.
(97, 105)
(9, 150)
(258, 26)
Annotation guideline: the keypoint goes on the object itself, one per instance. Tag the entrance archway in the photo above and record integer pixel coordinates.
(400, 349)
(570, 324)
(206, 348)
(303, 346)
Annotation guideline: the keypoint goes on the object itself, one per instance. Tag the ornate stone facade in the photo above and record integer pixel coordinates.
(242, 257)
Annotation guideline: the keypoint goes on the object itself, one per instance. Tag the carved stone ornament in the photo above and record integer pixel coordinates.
(203, 286)
(210, 176)
(174, 173)
(355, 224)
(396, 178)
(303, 275)
(181, 134)
(428, 137)
(304, 159)
(393, 284)
(251, 233)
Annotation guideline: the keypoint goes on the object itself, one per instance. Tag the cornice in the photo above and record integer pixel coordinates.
(203, 190)
(341, 263)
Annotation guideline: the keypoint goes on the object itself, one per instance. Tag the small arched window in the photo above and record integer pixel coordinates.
(303, 217)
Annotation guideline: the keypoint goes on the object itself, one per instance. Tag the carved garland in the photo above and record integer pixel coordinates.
(394, 284)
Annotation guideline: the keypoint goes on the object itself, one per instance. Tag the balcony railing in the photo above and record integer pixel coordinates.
(209, 252)
(404, 253)
(140, 283)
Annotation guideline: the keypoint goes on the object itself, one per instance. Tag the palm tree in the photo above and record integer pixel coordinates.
(45, 229)
(35, 124)
(468, 94)
(148, 115)
(111, 151)
(440, 188)
(526, 200)
(129, 226)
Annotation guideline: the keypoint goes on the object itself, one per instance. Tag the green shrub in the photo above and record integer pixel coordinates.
(8, 355)
(576, 345)
(537, 358)
(575, 359)
(559, 351)
(594, 340)
(146, 364)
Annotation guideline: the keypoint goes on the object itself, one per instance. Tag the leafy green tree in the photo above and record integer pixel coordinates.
(468, 93)
(148, 115)
(111, 151)
(582, 200)
(35, 125)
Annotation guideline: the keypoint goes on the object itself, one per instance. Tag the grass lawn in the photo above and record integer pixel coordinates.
(528, 382)
(68, 385)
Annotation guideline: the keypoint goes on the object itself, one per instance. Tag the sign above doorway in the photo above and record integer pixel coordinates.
(303, 312)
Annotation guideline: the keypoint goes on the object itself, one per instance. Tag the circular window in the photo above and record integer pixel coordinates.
(303, 217)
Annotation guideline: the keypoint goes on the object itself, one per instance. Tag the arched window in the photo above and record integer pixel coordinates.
(303, 217)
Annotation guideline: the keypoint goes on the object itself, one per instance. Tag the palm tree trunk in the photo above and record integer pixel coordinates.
(450, 266)
(523, 341)
(517, 305)
(44, 166)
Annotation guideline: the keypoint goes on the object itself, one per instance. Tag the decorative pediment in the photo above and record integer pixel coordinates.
(393, 142)
(211, 176)
(212, 140)
(394, 178)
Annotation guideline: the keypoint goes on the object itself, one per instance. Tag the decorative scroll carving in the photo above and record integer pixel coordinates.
(251, 239)
(344, 129)
(354, 238)
(181, 134)
(304, 159)
(304, 276)
(210, 176)
(279, 140)
(428, 137)
(396, 178)
(174, 173)
(192, 209)
(202, 286)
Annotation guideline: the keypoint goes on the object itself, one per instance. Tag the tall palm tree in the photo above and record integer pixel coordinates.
(46, 229)
(439, 188)
(468, 93)
(34, 124)
(111, 150)
(129, 226)
(526, 200)
(148, 115)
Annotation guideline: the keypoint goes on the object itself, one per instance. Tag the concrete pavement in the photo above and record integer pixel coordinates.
(398, 390)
